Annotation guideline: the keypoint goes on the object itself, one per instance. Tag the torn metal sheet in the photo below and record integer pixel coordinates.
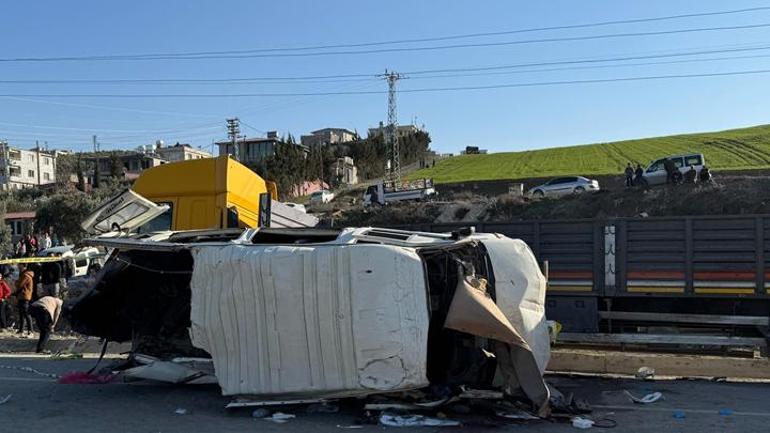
(473, 311)
(311, 321)
(170, 371)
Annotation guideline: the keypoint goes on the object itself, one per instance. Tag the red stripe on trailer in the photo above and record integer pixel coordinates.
(570, 275)
(655, 275)
(725, 276)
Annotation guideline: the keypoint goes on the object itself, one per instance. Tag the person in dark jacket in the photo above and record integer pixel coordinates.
(51, 277)
(671, 170)
(691, 175)
(639, 176)
(705, 175)
(629, 175)
(25, 288)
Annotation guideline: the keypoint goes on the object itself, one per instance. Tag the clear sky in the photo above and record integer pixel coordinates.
(502, 119)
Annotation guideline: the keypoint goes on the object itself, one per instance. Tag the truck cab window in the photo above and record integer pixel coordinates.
(160, 223)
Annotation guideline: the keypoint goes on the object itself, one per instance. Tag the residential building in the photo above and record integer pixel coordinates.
(20, 224)
(180, 152)
(345, 170)
(253, 150)
(328, 136)
(401, 130)
(21, 168)
(130, 165)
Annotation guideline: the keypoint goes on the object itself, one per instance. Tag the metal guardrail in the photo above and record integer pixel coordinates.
(700, 256)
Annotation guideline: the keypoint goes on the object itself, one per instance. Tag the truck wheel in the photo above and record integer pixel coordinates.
(538, 193)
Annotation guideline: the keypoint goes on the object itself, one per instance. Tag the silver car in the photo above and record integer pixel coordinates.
(565, 185)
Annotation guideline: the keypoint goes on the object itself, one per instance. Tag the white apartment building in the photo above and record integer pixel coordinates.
(21, 168)
(180, 152)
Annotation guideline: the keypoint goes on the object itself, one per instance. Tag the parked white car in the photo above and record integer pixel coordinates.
(655, 173)
(320, 197)
(565, 185)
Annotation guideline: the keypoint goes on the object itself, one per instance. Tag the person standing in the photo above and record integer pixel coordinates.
(670, 169)
(50, 278)
(639, 175)
(629, 175)
(5, 294)
(46, 242)
(46, 311)
(25, 287)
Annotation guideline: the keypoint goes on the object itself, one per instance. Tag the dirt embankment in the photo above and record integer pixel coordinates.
(730, 195)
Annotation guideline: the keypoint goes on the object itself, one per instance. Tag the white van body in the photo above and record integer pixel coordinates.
(286, 316)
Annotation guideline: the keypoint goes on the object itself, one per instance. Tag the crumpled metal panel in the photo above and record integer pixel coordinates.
(520, 288)
(311, 320)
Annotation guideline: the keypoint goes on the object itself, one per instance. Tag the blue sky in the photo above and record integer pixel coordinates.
(499, 120)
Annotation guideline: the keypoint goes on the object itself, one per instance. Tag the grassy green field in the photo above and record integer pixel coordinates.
(734, 149)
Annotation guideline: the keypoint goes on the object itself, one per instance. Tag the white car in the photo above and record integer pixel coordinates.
(565, 185)
(322, 196)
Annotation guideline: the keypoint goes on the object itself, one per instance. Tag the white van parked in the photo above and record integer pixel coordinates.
(655, 173)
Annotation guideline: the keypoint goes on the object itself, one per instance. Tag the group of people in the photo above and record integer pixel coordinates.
(635, 177)
(36, 293)
(29, 245)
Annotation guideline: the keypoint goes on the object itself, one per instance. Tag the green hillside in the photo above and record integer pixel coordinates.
(744, 148)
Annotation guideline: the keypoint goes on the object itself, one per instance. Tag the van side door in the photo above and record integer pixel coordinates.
(655, 174)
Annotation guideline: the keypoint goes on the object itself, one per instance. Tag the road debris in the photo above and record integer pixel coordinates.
(582, 423)
(280, 417)
(394, 420)
(6, 399)
(645, 373)
(181, 411)
(678, 414)
(647, 399)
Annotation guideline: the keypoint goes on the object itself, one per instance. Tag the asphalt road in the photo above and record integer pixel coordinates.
(38, 403)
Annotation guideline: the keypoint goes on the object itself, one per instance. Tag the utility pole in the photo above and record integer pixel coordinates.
(95, 183)
(233, 129)
(6, 165)
(391, 131)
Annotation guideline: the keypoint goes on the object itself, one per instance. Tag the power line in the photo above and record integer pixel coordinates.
(418, 90)
(297, 51)
(373, 77)
(105, 107)
(160, 131)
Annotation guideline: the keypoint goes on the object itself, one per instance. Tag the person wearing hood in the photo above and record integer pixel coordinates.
(25, 288)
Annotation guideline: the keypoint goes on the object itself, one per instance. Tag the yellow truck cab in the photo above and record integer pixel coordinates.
(203, 194)
(199, 194)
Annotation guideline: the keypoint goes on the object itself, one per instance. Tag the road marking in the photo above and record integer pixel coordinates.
(671, 409)
(26, 379)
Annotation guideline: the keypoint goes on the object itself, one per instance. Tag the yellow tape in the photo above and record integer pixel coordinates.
(30, 260)
(725, 290)
(654, 289)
